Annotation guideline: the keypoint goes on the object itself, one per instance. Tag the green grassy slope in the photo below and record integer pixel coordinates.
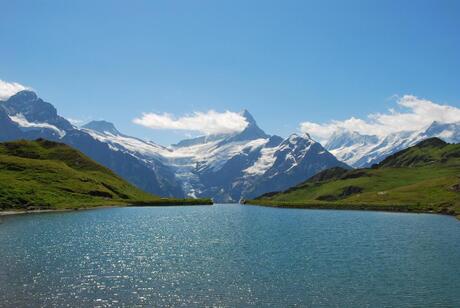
(47, 175)
(423, 178)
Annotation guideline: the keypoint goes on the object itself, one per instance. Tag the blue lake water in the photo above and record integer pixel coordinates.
(229, 255)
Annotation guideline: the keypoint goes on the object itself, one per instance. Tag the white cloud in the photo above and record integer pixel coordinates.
(208, 123)
(414, 114)
(8, 89)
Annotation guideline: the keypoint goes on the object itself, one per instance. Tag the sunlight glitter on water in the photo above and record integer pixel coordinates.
(229, 255)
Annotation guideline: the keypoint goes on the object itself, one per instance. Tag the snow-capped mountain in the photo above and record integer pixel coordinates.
(292, 161)
(449, 132)
(349, 146)
(34, 117)
(225, 167)
(228, 167)
(365, 150)
(25, 116)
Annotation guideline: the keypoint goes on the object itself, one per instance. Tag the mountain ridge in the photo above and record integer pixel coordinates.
(43, 174)
(421, 178)
(24, 116)
(359, 150)
(226, 167)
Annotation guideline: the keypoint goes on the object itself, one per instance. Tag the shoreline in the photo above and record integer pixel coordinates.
(356, 207)
(279, 206)
(26, 212)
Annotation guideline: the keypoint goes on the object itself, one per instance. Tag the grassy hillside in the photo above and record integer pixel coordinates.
(47, 175)
(423, 178)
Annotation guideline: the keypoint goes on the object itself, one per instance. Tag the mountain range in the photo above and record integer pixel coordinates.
(46, 175)
(225, 167)
(359, 150)
(421, 178)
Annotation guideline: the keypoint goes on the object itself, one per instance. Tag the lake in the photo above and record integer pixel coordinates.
(229, 255)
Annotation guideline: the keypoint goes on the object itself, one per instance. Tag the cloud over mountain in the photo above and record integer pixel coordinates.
(413, 114)
(210, 122)
(8, 89)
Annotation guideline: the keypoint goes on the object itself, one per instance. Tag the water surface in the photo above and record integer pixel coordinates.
(229, 255)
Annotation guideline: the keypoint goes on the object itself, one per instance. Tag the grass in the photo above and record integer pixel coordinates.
(47, 175)
(423, 178)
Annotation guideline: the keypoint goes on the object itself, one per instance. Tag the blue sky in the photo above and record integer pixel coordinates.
(287, 62)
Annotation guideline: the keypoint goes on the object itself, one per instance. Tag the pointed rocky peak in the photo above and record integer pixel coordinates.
(295, 137)
(297, 142)
(251, 132)
(34, 109)
(103, 127)
(248, 117)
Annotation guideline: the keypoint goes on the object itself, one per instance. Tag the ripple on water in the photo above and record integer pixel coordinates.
(229, 255)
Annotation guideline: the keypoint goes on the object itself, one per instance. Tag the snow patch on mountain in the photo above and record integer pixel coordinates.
(217, 155)
(364, 150)
(23, 123)
(265, 161)
(129, 144)
(227, 166)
